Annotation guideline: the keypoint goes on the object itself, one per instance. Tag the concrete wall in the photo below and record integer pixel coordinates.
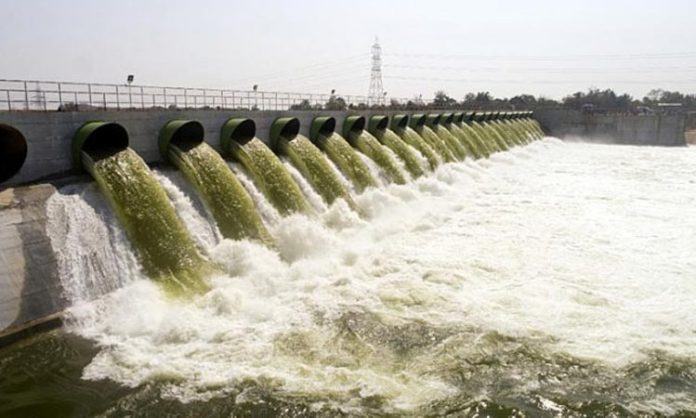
(49, 134)
(663, 130)
(30, 291)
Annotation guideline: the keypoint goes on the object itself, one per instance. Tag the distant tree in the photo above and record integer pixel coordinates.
(359, 106)
(606, 100)
(442, 100)
(336, 103)
(656, 96)
(482, 99)
(303, 105)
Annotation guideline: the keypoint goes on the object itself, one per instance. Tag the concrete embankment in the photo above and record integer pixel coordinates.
(30, 291)
(658, 129)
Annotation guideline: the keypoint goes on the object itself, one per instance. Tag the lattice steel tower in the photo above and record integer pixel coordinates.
(375, 95)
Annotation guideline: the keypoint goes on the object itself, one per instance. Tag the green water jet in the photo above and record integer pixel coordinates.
(354, 131)
(166, 251)
(400, 126)
(181, 143)
(452, 122)
(378, 126)
(309, 160)
(238, 140)
(419, 124)
(435, 122)
(464, 123)
(323, 135)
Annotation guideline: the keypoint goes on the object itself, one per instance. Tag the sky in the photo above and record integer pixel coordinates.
(506, 47)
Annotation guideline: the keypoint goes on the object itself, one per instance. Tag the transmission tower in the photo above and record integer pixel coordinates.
(375, 96)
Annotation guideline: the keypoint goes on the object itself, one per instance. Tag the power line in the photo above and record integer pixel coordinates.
(526, 81)
(561, 70)
(304, 69)
(668, 55)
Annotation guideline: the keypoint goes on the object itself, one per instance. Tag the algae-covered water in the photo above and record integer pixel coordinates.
(555, 279)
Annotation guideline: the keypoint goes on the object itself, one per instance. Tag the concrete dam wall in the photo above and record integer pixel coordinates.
(43, 153)
(657, 129)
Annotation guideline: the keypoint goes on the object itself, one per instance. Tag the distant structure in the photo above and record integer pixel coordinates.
(375, 95)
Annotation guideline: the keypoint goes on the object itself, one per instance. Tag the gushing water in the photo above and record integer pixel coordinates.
(413, 139)
(229, 203)
(554, 279)
(347, 160)
(165, 250)
(270, 176)
(437, 143)
(370, 146)
(403, 151)
(315, 168)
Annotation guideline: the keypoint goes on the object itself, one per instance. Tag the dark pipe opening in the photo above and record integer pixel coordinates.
(291, 129)
(188, 135)
(322, 127)
(358, 125)
(418, 120)
(378, 124)
(353, 125)
(236, 132)
(433, 119)
(327, 127)
(13, 152)
(447, 118)
(105, 140)
(286, 128)
(400, 122)
(244, 132)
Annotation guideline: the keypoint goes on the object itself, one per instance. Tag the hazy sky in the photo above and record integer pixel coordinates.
(548, 47)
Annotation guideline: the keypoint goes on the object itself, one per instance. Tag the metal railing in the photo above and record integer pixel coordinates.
(36, 95)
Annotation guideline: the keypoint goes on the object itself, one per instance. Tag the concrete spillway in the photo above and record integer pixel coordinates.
(164, 248)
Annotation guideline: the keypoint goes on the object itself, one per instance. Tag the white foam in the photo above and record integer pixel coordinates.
(189, 207)
(269, 214)
(589, 246)
(312, 196)
(93, 255)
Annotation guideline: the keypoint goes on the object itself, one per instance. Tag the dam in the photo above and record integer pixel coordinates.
(338, 263)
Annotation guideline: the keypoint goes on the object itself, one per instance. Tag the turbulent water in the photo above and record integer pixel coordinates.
(555, 279)
(381, 155)
(404, 152)
(164, 248)
(270, 176)
(412, 138)
(339, 151)
(228, 202)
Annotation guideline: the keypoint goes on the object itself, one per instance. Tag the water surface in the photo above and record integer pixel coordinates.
(556, 279)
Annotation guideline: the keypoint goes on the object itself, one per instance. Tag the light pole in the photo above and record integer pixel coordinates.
(256, 97)
(129, 80)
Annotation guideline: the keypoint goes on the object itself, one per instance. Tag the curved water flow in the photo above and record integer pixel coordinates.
(553, 279)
